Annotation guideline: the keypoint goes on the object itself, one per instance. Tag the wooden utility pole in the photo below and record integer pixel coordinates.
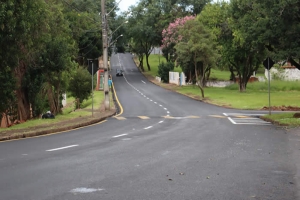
(105, 54)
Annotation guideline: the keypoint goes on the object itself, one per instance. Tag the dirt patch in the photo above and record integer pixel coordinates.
(282, 108)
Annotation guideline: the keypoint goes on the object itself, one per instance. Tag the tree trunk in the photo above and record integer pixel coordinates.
(242, 85)
(57, 99)
(199, 80)
(147, 60)
(23, 106)
(22, 100)
(141, 60)
(51, 99)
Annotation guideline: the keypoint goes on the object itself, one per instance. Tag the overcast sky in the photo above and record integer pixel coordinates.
(124, 4)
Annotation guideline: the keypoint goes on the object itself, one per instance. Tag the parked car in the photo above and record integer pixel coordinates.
(119, 72)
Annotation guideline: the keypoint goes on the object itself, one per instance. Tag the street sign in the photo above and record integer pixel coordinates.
(268, 63)
(93, 64)
(294, 63)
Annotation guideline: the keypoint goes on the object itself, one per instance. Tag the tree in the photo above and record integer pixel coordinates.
(214, 17)
(80, 84)
(142, 28)
(164, 69)
(56, 57)
(278, 23)
(192, 7)
(8, 84)
(196, 47)
(171, 36)
(241, 44)
(22, 26)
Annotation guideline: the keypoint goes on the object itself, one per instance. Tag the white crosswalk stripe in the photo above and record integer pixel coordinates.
(246, 119)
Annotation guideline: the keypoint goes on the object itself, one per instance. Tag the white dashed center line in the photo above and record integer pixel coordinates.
(116, 136)
(148, 127)
(63, 148)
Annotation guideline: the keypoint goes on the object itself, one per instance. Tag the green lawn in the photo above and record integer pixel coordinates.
(154, 61)
(283, 93)
(220, 75)
(284, 119)
(246, 100)
(68, 112)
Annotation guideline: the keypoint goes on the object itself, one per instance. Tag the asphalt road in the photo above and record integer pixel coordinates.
(163, 146)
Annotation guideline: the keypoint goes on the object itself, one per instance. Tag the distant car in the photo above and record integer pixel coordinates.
(119, 72)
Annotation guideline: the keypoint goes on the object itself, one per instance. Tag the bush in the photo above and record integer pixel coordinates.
(80, 84)
(164, 69)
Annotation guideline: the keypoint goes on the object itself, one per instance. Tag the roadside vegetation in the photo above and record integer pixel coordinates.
(68, 114)
(45, 43)
(285, 95)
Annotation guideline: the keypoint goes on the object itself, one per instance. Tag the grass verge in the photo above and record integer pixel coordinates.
(68, 116)
(283, 94)
(283, 119)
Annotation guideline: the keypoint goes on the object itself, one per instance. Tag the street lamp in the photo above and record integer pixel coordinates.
(115, 40)
(118, 28)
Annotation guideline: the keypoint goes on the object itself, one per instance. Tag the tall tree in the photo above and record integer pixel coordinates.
(241, 45)
(22, 24)
(192, 7)
(196, 47)
(142, 28)
(171, 36)
(56, 56)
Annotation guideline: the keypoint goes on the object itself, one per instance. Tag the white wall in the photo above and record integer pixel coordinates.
(287, 74)
(174, 78)
(64, 101)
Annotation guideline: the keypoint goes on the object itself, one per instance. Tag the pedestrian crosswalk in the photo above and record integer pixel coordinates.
(234, 118)
(246, 118)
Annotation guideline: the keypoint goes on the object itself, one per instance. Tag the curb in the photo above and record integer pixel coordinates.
(56, 130)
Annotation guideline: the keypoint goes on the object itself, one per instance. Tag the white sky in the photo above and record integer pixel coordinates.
(124, 4)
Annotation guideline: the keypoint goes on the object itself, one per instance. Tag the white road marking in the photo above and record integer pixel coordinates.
(246, 119)
(155, 102)
(144, 82)
(160, 105)
(148, 127)
(168, 112)
(165, 108)
(231, 120)
(85, 190)
(160, 122)
(63, 148)
(116, 136)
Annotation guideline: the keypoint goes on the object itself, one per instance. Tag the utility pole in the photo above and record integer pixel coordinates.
(105, 54)
(92, 88)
